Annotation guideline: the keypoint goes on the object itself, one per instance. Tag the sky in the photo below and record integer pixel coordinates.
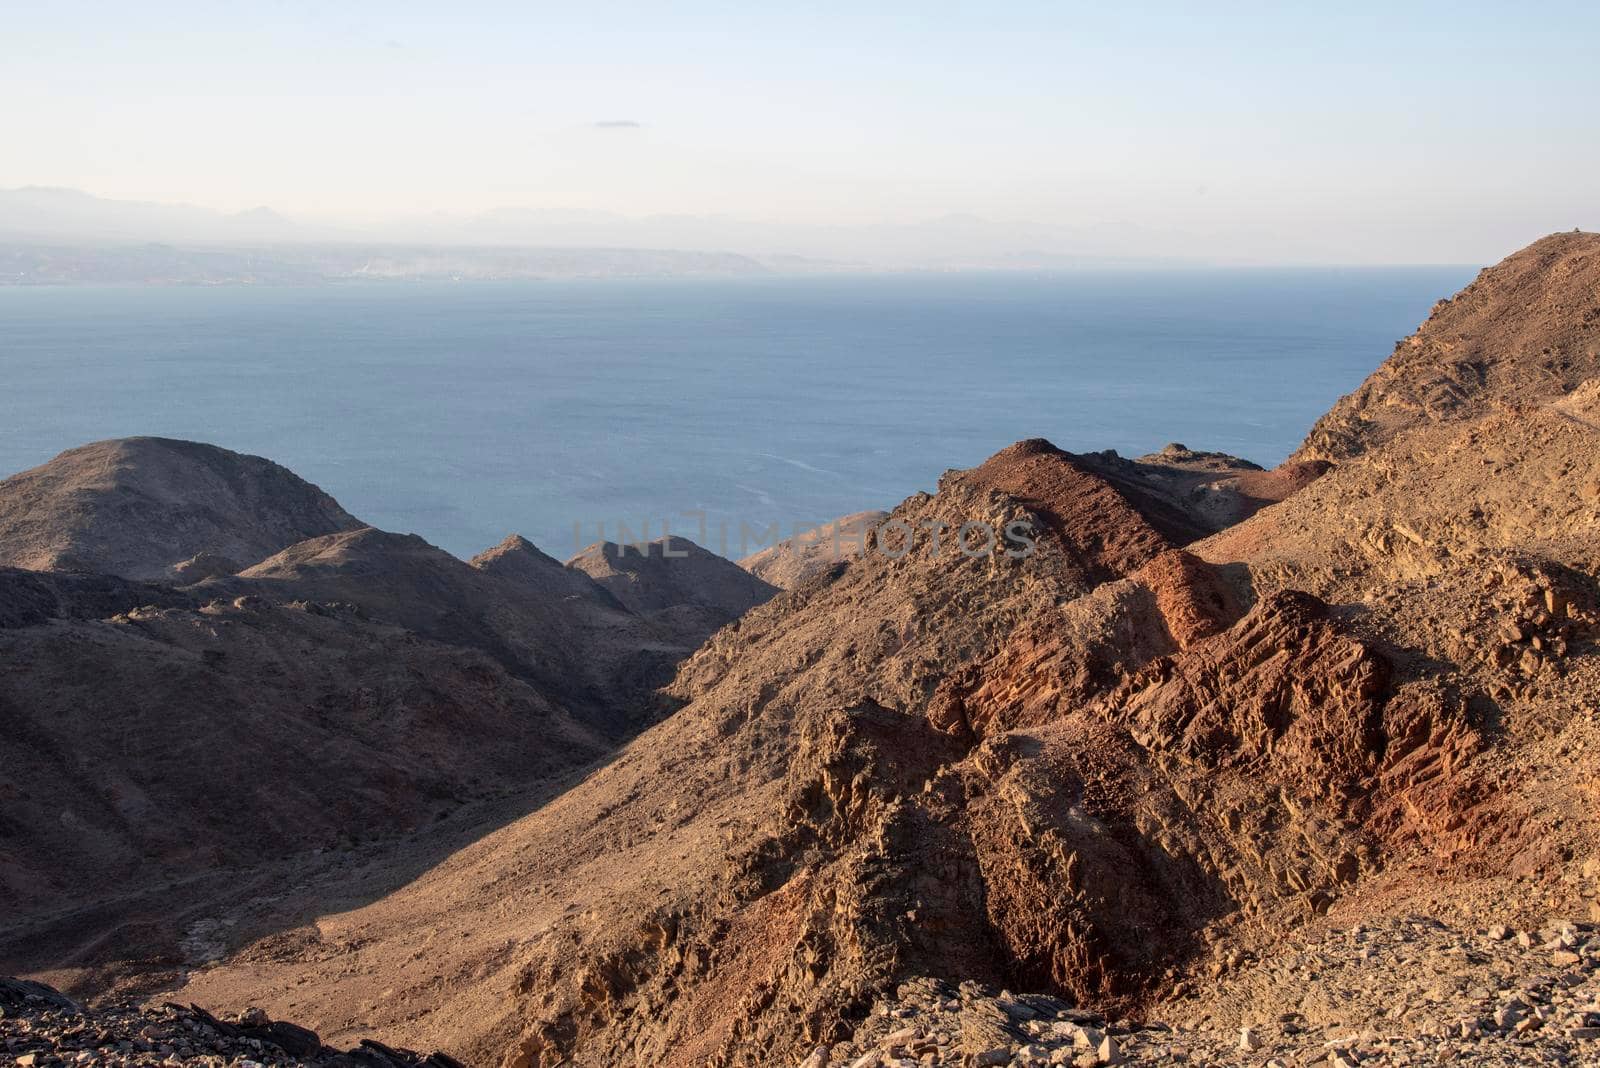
(1297, 132)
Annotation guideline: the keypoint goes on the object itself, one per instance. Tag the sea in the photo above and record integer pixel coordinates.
(571, 411)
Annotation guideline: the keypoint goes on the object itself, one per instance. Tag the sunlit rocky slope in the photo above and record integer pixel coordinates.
(1298, 751)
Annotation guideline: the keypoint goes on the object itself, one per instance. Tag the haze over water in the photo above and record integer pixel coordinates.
(466, 412)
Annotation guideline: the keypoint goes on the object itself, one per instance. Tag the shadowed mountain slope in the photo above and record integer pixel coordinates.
(166, 745)
(564, 631)
(151, 746)
(30, 598)
(671, 573)
(517, 560)
(402, 580)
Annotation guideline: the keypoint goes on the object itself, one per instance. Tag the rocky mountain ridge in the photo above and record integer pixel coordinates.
(1234, 751)
(182, 734)
(1527, 331)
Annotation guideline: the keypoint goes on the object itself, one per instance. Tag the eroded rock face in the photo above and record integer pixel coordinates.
(1284, 691)
(1087, 855)
(1233, 777)
(935, 764)
(1525, 332)
(1040, 673)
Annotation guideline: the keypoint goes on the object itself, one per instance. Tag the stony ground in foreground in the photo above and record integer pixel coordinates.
(1405, 992)
(39, 1028)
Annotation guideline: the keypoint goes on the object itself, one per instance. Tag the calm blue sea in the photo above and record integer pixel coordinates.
(464, 412)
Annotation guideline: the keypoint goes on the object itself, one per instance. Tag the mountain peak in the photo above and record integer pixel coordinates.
(260, 215)
(669, 572)
(138, 507)
(1525, 331)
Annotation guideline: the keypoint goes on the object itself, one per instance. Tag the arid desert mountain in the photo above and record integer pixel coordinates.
(604, 648)
(143, 507)
(1187, 494)
(670, 573)
(797, 558)
(402, 580)
(1233, 766)
(825, 815)
(1526, 331)
(168, 746)
(179, 741)
(1127, 772)
(537, 573)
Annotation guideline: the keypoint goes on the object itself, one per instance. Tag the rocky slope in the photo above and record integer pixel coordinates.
(796, 559)
(1108, 771)
(38, 1027)
(671, 573)
(173, 749)
(1409, 990)
(154, 508)
(1189, 746)
(180, 735)
(1526, 331)
(818, 799)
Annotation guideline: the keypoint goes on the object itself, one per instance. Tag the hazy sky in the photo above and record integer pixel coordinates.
(1449, 131)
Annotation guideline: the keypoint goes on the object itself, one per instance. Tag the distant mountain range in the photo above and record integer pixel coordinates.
(152, 263)
(63, 236)
(52, 215)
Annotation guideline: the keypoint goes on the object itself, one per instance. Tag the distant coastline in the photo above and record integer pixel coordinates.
(155, 263)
